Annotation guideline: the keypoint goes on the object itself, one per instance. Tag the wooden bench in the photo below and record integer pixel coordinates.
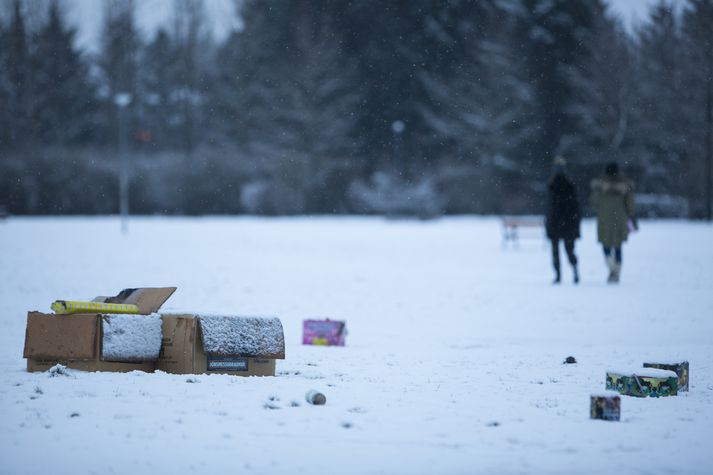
(513, 224)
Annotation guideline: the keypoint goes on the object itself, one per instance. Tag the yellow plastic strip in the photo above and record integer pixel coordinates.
(66, 307)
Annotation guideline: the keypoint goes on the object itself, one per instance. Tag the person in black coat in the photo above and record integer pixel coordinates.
(563, 217)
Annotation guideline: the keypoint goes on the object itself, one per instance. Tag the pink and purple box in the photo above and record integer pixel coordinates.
(323, 332)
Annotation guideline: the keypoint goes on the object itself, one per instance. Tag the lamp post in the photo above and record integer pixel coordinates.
(398, 127)
(122, 101)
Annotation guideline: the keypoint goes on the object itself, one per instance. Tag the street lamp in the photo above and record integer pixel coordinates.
(398, 127)
(122, 101)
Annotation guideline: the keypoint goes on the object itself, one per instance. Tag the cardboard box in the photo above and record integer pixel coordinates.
(644, 382)
(77, 340)
(324, 332)
(678, 367)
(200, 344)
(605, 406)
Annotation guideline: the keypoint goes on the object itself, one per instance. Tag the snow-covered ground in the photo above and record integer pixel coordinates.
(453, 363)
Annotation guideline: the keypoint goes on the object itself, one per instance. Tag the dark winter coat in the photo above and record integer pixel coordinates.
(613, 200)
(563, 216)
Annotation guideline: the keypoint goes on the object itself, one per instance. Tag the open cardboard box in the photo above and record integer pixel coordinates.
(243, 346)
(179, 344)
(78, 340)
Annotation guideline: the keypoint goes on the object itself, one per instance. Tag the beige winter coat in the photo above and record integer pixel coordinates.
(613, 200)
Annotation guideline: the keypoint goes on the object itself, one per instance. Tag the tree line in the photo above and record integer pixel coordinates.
(317, 106)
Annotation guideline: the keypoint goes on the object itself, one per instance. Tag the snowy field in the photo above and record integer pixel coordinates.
(453, 364)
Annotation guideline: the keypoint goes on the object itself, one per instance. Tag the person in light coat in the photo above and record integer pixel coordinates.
(612, 198)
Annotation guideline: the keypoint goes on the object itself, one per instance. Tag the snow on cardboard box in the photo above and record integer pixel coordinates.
(99, 342)
(243, 346)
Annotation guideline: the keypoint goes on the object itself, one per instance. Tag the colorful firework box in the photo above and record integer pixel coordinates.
(323, 332)
(644, 382)
(605, 406)
(680, 368)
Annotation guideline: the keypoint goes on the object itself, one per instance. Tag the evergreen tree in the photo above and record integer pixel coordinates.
(286, 95)
(394, 44)
(15, 81)
(661, 128)
(191, 81)
(157, 84)
(603, 103)
(62, 96)
(118, 64)
(557, 32)
(697, 27)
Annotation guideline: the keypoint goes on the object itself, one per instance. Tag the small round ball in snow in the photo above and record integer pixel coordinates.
(570, 360)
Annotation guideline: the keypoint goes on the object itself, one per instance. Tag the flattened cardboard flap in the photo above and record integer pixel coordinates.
(148, 299)
(61, 337)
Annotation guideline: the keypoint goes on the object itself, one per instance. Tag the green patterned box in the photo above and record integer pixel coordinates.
(644, 382)
(680, 368)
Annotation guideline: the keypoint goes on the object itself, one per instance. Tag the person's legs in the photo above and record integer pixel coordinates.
(617, 256)
(569, 247)
(611, 263)
(556, 258)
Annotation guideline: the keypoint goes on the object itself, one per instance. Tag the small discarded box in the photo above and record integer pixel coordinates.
(323, 332)
(680, 368)
(605, 406)
(644, 382)
(96, 342)
(243, 346)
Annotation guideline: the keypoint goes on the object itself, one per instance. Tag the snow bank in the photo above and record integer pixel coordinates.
(131, 337)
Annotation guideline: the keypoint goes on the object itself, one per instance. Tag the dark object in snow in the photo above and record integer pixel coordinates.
(74, 414)
(605, 406)
(493, 424)
(316, 398)
(680, 368)
(645, 382)
(570, 360)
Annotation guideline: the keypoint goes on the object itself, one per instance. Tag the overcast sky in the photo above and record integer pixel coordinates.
(87, 15)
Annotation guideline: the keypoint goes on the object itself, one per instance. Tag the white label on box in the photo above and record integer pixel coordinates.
(227, 363)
